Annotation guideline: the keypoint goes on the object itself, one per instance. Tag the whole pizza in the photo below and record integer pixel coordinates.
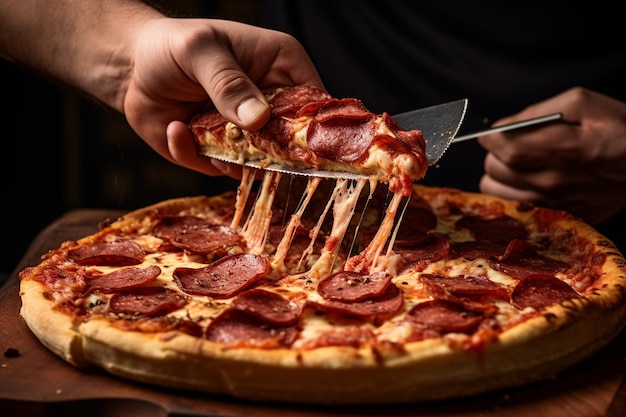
(320, 291)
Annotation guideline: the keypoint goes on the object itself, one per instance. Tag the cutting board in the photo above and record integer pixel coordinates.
(35, 382)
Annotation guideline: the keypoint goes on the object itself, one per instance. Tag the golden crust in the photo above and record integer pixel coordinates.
(432, 369)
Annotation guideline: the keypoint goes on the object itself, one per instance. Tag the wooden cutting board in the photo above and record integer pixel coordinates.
(35, 382)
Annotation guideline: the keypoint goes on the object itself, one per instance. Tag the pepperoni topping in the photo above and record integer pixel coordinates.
(120, 252)
(289, 101)
(521, 259)
(474, 293)
(350, 286)
(501, 229)
(413, 233)
(210, 120)
(541, 290)
(238, 327)
(147, 301)
(268, 306)
(172, 226)
(341, 140)
(60, 279)
(195, 234)
(207, 239)
(432, 248)
(223, 278)
(387, 304)
(412, 139)
(343, 109)
(475, 249)
(466, 285)
(444, 317)
(123, 279)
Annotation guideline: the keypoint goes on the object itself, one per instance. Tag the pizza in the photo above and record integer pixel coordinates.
(319, 291)
(310, 129)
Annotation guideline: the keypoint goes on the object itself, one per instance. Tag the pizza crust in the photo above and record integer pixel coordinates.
(56, 330)
(432, 369)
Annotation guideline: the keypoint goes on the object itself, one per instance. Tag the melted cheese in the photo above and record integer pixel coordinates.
(344, 199)
(278, 261)
(258, 223)
(343, 202)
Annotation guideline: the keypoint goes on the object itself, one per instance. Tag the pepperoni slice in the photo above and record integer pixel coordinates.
(412, 139)
(474, 249)
(195, 234)
(239, 327)
(123, 279)
(466, 285)
(541, 290)
(60, 279)
(432, 248)
(521, 259)
(342, 140)
(120, 252)
(206, 239)
(209, 120)
(224, 277)
(147, 301)
(268, 306)
(171, 226)
(387, 304)
(444, 317)
(288, 102)
(350, 286)
(501, 229)
(412, 233)
(343, 109)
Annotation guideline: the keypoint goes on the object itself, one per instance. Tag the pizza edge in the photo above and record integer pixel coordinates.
(429, 370)
(567, 333)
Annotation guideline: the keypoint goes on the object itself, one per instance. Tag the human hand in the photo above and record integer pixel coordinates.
(181, 66)
(578, 165)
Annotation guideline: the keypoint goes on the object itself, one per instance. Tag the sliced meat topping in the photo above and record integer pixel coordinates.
(444, 317)
(521, 259)
(237, 327)
(350, 286)
(541, 290)
(119, 252)
(268, 306)
(224, 277)
(147, 301)
(122, 279)
(501, 229)
(386, 304)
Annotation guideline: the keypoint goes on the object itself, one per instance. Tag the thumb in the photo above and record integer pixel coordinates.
(236, 97)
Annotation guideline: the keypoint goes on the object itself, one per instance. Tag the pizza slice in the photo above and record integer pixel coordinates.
(310, 129)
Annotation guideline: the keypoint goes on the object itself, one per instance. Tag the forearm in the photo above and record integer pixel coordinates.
(87, 45)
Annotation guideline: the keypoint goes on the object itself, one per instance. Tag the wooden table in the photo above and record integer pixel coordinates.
(37, 383)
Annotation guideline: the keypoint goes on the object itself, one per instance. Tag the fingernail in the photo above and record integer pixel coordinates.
(250, 110)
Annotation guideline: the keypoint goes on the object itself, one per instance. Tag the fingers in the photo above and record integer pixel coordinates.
(235, 96)
(252, 113)
(489, 185)
(232, 61)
